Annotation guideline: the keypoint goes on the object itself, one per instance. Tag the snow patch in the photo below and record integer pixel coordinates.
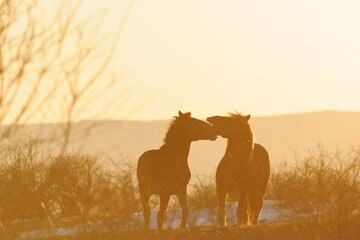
(197, 217)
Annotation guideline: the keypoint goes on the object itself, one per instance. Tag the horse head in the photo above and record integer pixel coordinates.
(233, 126)
(196, 129)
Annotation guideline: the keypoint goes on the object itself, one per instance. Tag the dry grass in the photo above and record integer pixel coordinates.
(202, 192)
(268, 231)
(41, 190)
(321, 186)
(322, 189)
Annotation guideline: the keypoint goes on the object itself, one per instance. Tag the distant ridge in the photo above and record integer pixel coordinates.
(280, 134)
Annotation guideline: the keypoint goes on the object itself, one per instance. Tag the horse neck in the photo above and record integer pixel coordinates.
(179, 148)
(240, 149)
(176, 143)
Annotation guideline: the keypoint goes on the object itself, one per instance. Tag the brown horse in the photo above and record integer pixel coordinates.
(165, 171)
(244, 169)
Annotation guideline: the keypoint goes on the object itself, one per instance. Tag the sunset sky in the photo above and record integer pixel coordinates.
(212, 56)
(259, 57)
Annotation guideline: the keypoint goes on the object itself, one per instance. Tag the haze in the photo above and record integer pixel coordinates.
(209, 57)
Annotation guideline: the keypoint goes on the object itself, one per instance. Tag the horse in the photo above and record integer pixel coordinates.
(244, 169)
(165, 171)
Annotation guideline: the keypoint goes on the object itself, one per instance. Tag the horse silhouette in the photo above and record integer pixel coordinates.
(244, 169)
(165, 171)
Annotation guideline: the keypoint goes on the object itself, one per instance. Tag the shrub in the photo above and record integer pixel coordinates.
(321, 186)
(202, 192)
(35, 186)
(121, 196)
(22, 179)
(75, 183)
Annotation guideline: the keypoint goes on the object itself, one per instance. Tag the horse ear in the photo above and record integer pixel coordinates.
(180, 114)
(188, 114)
(247, 117)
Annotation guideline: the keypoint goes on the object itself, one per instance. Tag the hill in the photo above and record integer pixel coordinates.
(281, 135)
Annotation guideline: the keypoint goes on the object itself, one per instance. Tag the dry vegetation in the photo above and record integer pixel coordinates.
(322, 191)
(321, 187)
(54, 65)
(37, 186)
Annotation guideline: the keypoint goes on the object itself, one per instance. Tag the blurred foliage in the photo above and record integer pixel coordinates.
(33, 185)
(320, 186)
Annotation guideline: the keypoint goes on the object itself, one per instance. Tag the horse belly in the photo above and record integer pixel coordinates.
(178, 181)
(160, 174)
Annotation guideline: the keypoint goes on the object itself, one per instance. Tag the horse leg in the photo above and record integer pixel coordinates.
(252, 199)
(242, 210)
(184, 206)
(161, 217)
(221, 209)
(258, 201)
(256, 213)
(146, 213)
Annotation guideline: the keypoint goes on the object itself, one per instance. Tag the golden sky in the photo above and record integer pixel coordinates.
(259, 57)
(212, 56)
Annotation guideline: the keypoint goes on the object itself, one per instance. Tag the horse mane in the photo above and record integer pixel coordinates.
(236, 114)
(241, 117)
(174, 128)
